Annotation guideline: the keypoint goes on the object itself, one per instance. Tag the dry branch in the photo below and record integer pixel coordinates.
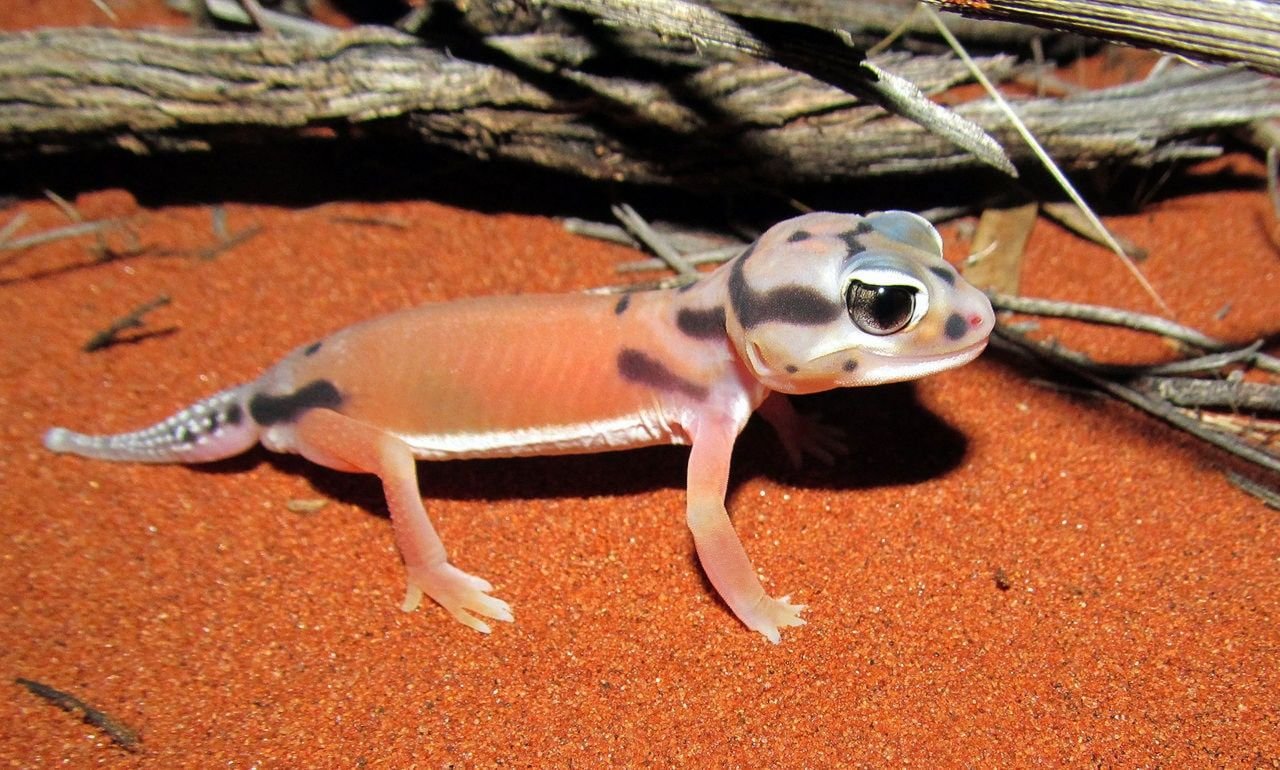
(828, 55)
(1244, 31)
(726, 123)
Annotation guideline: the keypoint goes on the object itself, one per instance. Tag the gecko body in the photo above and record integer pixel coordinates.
(818, 302)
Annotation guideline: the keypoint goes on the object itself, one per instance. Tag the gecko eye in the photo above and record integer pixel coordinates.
(880, 310)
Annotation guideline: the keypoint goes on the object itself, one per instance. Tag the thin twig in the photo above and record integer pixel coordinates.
(1069, 216)
(231, 10)
(901, 29)
(1210, 363)
(133, 320)
(1109, 316)
(65, 205)
(219, 217)
(101, 5)
(1197, 393)
(211, 252)
(708, 257)
(1161, 409)
(1047, 161)
(12, 226)
(641, 229)
(119, 733)
(601, 231)
(1247, 426)
(57, 234)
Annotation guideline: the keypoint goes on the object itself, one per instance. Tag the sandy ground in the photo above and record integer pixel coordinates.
(1000, 574)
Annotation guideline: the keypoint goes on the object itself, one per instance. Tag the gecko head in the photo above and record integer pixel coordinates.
(836, 300)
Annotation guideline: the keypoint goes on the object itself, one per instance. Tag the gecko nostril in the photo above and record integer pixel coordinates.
(975, 320)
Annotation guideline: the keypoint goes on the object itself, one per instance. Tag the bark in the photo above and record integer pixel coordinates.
(1243, 31)
(725, 123)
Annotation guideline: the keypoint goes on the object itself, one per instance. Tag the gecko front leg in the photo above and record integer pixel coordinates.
(336, 441)
(719, 549)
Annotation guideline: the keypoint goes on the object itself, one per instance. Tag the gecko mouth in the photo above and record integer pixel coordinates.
(886, 368)
(964, 354)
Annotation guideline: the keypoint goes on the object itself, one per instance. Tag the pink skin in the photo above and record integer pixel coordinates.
(492, 377)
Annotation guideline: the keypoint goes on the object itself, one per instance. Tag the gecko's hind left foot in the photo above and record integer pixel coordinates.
(460, 593)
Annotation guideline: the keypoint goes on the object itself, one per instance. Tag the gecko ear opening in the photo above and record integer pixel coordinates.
(905, 227)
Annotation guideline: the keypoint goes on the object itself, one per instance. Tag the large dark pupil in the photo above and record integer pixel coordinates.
(880, 309)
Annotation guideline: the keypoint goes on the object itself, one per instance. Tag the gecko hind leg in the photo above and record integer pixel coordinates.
(337, 441)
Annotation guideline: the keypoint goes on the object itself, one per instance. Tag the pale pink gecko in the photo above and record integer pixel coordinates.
(818, 302)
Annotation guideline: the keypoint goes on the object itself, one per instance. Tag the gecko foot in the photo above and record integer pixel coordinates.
(769, 615)
(458, 592)
(809, 435)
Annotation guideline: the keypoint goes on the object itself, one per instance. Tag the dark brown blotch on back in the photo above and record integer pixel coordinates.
(269, 409)
(637, 366)
(701, 323)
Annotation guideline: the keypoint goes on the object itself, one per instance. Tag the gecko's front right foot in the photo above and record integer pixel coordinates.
(458, 592)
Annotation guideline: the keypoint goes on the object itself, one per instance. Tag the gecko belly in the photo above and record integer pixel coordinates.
(572, 438)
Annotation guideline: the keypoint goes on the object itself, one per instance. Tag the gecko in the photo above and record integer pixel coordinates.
(820, 301)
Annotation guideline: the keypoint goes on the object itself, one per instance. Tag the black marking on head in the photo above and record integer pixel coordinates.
(793, 303)
(636, 366)
(233, 415)
(852, 237)
(622, 305)
(791, 369)
(311, 349)
(687, 286)
(705, 323)
(945, 273)
(956, 327)
(268, 409)
(849, 365)
(799, 235)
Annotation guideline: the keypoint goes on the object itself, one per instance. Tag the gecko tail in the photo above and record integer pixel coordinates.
(213, 429)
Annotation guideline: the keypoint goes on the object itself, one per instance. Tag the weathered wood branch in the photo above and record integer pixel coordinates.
(826, 54)
(1243, 31)
(876, 18)
(727, 123)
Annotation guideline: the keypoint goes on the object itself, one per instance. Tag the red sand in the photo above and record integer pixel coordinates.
(1138, 625)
